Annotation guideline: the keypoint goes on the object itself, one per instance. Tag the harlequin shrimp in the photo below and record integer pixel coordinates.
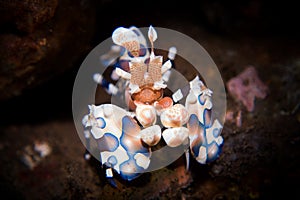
(126, 136)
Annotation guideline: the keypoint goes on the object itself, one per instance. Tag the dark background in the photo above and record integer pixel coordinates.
(43, 44)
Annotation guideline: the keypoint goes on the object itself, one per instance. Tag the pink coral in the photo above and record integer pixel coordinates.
(246, 86)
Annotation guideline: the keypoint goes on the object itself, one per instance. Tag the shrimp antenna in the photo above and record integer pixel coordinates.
(152, 35)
